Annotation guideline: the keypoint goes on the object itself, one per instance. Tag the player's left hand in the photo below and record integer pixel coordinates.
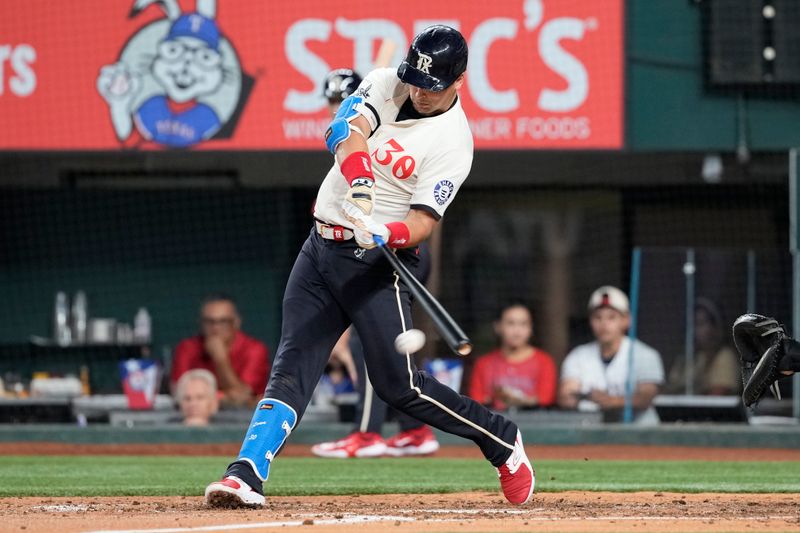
(370, 228)
(760, 341)
(359, 199)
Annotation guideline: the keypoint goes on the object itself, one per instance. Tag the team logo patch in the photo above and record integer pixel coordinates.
(443, 191)
(359, 253)
(363, 92)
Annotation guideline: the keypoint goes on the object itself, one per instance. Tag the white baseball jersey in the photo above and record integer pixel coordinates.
(418, 163)
(585, 364)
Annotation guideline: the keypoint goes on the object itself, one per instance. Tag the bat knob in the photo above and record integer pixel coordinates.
(464, 348)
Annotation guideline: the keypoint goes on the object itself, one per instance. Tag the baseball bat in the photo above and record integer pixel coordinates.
(385, 53)
(451, 332)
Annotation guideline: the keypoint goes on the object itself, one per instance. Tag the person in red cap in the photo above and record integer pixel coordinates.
(594, 376)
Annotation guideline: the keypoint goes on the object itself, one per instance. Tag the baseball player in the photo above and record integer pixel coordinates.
(767, 355)
(403, 148)
(414, 438)
(338, 85)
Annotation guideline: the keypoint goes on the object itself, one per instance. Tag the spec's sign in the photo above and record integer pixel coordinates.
(151, 74)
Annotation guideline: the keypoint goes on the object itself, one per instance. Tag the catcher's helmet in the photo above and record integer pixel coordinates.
(436, 58)
(340, 83)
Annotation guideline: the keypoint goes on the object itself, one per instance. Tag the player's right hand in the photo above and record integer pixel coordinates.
(364, 236)
(358, 202)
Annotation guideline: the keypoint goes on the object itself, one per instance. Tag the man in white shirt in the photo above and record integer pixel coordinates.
(403, 148)
(594, 375)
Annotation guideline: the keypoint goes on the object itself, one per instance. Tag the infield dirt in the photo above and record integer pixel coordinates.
(467, 512)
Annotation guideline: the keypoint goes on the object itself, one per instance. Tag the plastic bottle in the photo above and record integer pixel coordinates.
(142, 326)
(79, 317)
(61, 331)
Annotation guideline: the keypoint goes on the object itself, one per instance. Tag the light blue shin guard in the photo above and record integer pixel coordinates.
(272, 423)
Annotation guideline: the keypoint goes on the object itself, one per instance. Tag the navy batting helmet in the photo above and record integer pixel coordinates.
(340, 83)
(436, 58)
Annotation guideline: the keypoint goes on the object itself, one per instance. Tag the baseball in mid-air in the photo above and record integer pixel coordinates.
(410, 341)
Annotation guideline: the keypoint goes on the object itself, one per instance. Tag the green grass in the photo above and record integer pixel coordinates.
(127, 475)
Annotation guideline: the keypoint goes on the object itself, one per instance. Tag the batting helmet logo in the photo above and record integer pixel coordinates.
(424, 62)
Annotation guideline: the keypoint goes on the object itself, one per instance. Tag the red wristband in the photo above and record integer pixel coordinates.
(398, 234)
(357, 165)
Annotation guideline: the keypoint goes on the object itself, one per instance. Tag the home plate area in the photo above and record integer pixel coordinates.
(472, 511)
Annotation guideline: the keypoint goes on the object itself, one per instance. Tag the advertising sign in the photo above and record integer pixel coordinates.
(220, 74)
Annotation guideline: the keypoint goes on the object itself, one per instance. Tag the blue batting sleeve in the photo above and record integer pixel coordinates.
(272, 423)
(339, 129)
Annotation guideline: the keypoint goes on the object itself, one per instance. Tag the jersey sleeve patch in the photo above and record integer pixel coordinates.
(363, 91)
(443, 191)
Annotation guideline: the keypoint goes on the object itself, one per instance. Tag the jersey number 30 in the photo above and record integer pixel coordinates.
(384, 155)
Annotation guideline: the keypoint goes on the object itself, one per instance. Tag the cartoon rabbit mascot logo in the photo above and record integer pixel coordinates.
(178, 80)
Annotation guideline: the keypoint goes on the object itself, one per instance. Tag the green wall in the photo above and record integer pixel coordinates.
(669, 107)
(160, 249)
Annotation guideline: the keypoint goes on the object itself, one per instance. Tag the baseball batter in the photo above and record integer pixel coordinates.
(414, 438)
(403, 148)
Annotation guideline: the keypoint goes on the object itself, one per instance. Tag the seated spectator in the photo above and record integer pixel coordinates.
(239, 362)
(196, 394)
(594, 375)
(716, 366)
(516, 374)
(334, 381)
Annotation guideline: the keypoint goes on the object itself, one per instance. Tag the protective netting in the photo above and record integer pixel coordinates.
(598, 129)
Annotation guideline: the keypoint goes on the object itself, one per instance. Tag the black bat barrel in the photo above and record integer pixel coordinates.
(451, 332)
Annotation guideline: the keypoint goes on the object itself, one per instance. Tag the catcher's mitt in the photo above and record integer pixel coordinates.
(759, 340)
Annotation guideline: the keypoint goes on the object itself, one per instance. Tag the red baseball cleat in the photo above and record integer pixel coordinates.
(417, 441)
(517, 476)
(231, 493)
(357, 444)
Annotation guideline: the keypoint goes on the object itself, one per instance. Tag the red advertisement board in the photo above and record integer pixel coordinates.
(224, 74)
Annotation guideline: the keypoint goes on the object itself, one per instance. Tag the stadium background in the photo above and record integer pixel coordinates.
(546, 216)
(667, 129)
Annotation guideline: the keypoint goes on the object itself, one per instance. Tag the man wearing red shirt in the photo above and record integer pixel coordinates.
(516, 374)
(239, 362)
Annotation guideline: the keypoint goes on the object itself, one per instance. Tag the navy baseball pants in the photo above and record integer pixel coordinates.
(334, 284)
(371, 411)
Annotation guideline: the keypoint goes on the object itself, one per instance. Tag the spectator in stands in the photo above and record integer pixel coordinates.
(516, 374)
(594, 375)
(716, 365)
(334, 381)
(196, 394)
(239, 362)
